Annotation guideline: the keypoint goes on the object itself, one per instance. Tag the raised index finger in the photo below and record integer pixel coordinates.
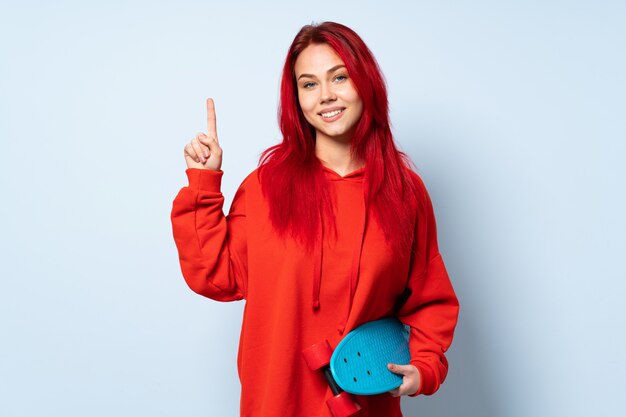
(211, 128)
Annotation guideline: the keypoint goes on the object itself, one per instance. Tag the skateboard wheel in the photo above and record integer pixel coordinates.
(343, 405)
(318, 355)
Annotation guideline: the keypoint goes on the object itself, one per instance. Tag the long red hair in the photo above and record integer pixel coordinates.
(291, 175)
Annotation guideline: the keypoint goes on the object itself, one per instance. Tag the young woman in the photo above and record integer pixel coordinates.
(333, 229)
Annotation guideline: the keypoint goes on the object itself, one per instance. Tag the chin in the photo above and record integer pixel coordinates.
(334, 130)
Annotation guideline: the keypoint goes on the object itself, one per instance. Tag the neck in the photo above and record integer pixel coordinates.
(335, 154)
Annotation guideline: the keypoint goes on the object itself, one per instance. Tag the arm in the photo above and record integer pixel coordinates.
(431, 307)
(212, 247)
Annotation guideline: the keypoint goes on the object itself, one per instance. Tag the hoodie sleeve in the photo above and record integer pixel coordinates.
(212, 247)
(431, 307)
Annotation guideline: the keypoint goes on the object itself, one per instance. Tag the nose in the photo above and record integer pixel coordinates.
(327, 93)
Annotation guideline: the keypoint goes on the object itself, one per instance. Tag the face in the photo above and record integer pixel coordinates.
(323, 87)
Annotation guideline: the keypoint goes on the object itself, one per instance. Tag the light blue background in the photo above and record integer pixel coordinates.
(513, 111)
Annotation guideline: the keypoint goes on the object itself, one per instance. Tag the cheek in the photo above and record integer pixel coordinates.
(357, 105)
(305, 104)
(308, 112)
(351, 96)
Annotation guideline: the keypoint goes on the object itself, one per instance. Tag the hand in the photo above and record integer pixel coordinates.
(410, 382)
(204, 151)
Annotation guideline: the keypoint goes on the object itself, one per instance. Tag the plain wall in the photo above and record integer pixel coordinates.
(514, 112)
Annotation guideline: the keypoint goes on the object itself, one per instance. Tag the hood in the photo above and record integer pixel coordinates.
(355, 176)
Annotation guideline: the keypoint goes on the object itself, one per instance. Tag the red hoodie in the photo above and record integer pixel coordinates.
(295, 299)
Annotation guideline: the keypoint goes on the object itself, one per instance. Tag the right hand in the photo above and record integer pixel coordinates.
(204, 152)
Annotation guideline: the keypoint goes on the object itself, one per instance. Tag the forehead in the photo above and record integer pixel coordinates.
(316, 59)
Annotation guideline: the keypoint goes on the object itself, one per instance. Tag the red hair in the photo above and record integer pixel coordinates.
(291, 175)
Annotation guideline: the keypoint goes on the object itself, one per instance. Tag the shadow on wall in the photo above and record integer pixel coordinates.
(466, 390)
(464, 393)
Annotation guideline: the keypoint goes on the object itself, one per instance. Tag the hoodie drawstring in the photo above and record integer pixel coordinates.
(354, 268)
(354, 273)
(317, 267)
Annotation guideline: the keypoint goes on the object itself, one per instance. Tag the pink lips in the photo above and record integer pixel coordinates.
(335, 117)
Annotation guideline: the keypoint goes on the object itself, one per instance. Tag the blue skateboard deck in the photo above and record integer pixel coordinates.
(359, 362)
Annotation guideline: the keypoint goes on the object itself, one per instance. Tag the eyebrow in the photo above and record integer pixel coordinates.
(328, 72)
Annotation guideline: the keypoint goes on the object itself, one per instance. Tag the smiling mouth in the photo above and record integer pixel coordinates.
(332, 114)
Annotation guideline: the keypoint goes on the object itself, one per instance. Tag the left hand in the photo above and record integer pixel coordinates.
(410, 381)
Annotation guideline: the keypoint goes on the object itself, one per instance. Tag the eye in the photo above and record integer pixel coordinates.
(340, 77)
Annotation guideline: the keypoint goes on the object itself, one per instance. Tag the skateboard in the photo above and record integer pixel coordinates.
(358, 365)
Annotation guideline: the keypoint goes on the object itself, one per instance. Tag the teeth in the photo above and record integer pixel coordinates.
(331, 114)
